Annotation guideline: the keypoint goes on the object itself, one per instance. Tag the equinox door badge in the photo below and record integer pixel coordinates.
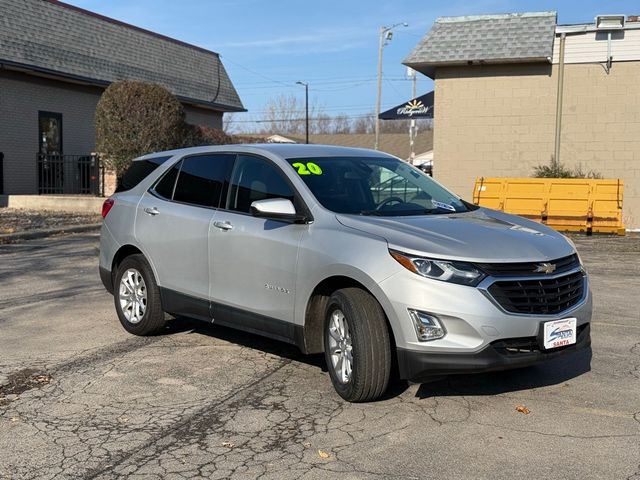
(275, 288)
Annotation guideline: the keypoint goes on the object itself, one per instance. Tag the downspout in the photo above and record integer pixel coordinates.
(559, 97)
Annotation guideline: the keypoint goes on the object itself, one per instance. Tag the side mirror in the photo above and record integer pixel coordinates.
(277, 209)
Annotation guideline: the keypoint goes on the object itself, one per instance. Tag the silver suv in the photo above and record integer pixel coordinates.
(349, 252)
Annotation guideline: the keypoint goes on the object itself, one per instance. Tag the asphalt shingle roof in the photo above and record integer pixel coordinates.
(508, 38)
(57, 38)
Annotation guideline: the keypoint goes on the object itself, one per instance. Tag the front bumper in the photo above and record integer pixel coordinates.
(472, 319)
(418, 366)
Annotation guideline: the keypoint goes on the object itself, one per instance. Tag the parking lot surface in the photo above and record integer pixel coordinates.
(81, 398)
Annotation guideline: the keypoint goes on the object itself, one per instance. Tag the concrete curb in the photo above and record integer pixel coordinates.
(49, 232)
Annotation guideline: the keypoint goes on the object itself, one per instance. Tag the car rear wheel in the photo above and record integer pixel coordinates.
(137, 297)
(357, 345)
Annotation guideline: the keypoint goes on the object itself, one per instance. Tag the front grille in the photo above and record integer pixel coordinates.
(563, 264)
(538, 297)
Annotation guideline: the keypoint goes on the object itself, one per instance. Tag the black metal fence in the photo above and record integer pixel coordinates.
(70, 174)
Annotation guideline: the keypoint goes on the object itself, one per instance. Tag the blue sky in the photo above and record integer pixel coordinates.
(267, 46)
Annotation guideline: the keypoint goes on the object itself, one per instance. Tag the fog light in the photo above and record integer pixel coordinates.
(428, 327)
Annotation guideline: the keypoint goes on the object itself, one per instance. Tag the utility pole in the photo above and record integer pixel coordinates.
(556, 155)
(384, 34)
(413, 128)
(306, 109)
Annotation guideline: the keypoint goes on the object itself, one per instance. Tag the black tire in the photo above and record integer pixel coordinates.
(370, 345)
(153, 319)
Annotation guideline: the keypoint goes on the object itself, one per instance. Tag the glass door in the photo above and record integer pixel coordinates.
(50, 160)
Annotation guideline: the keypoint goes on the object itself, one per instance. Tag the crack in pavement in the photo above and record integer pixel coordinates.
(201, 420)
(256, 431)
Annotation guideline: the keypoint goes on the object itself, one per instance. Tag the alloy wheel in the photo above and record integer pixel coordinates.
(133, 295)
(340, 348)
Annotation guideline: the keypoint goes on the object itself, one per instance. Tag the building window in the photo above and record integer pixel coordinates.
(50, 133)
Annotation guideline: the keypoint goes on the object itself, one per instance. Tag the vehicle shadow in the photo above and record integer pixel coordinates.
(553, 372)
(244, 339)
(267, 345)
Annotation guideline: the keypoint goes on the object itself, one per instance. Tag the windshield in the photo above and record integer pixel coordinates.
(374, 186)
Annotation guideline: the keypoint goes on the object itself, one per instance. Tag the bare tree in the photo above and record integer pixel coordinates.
(321, 124)
(283, 114)
(364, 124)
(286, 114)
(341, 124)
(228, 122)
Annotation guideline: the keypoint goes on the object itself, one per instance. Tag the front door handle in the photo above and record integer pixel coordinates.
(152, 211)
(223, 225)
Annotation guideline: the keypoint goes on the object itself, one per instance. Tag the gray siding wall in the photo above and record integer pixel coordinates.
(204, 117)
(21, 97)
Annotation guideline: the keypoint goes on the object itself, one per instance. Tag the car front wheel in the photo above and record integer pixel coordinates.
(357, 345)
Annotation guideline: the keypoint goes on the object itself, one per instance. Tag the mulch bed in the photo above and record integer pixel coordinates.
(15, 220)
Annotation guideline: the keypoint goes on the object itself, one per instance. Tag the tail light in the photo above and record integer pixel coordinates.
(106, 206)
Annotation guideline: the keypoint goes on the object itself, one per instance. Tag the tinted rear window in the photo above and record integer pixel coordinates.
(164, 187)
(202, 178)
(138, 171)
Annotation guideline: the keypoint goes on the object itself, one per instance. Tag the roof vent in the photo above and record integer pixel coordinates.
(610, 22)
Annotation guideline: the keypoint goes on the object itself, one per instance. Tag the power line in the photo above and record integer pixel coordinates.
(393, 87)
(258, 87)
(343, 108)
(316, 81)
(253, 71)
(301, 119)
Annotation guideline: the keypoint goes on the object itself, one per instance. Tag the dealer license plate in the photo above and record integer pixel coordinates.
(559, 333)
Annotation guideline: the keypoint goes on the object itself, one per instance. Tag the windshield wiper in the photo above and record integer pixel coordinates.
(436, 211)
(406, 213)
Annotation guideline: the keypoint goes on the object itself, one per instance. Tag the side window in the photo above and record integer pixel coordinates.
(254, 179)
(201, 179)
(138, 171)
(164, 187)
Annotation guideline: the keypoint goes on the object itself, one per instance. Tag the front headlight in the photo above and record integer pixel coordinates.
(461, 273)
(575, 249)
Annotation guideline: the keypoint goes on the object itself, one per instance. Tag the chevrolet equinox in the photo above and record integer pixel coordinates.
(349, 252)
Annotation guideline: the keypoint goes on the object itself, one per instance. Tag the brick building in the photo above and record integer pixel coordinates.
(55, 62)
(497, 93)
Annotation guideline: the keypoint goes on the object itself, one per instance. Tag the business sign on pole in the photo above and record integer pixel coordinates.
(419, 107)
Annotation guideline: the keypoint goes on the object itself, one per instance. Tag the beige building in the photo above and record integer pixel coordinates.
(497, 95)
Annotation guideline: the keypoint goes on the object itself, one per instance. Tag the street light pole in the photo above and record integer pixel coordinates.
(384, 34)
(306, 109)
(381, 33)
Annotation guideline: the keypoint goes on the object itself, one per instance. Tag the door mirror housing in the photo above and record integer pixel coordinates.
(277, 209)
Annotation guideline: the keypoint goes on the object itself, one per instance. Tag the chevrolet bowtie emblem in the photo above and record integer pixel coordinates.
(545, 268)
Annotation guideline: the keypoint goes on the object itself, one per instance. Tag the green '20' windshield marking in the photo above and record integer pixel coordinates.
(307, 169)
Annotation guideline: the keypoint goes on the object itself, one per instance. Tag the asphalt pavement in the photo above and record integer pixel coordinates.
(81, 398)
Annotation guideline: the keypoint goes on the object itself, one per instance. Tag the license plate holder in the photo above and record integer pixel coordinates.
(559, 333)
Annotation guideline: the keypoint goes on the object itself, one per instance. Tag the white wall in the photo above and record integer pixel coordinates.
(591, 47)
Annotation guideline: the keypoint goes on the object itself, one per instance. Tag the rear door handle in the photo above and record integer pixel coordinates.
(223, 225)
(151, 211)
